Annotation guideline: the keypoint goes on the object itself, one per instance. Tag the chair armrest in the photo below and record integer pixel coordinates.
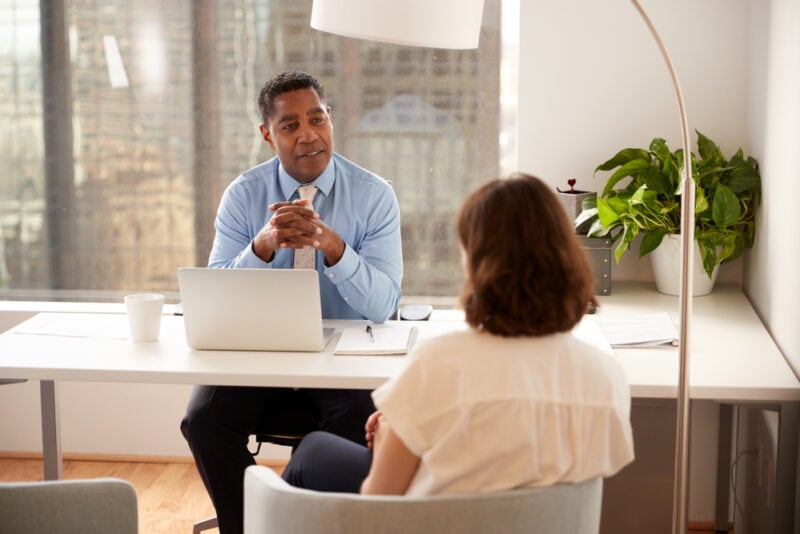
(92, 506)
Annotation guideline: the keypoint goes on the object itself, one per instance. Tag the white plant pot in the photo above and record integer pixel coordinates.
(666, 263)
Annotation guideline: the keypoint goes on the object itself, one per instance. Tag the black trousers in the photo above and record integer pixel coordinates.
(326, 462)
(220, 419)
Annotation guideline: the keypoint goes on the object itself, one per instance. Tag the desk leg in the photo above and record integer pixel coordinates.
(724, 441)
(51, 431)
(787, 518)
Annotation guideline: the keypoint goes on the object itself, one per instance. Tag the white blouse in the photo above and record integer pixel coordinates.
(487, 413)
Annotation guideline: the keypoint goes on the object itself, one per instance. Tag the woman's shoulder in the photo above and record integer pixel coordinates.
(447, 342)
(473, 340)
(600, 375)
(564, 347)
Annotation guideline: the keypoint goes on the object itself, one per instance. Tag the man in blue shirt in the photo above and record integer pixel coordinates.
(353, 225)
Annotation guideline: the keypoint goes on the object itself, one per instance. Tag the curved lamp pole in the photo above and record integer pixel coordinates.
(456, 24)
(681, 488)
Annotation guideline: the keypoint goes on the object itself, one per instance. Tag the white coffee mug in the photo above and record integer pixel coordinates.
(144, 315)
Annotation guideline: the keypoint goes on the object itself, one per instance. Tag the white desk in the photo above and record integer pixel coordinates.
(171, 361)
(733, 360)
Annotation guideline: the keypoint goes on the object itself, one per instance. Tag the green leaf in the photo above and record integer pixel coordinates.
(605, 211)
(632, 168)
(628, 234)
(726, 210)
(700, 200)
(586, 215)
(709, 257)
(657, 181)
(659, 147)
(749, 234)
(719, 245)
(708, 149)
(651, 240)
(732, 247)
(638, 196)
(598, 230)
(743, 178)
(622, 157)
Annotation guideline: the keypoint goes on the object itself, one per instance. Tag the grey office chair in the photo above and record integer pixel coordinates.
(91, 506)
(272, 505)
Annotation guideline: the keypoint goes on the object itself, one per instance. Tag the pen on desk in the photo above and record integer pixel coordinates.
(370, 334)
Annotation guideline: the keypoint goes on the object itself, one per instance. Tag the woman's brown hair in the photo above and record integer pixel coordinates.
(526, 274)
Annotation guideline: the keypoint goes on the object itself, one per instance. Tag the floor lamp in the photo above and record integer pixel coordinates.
(456, 24)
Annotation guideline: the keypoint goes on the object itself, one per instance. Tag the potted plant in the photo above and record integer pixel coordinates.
(728, 192)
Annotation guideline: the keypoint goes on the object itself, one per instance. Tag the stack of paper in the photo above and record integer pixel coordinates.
(385, 339)
(638, 331)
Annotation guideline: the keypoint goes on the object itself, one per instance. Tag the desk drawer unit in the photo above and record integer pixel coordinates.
(599, 251)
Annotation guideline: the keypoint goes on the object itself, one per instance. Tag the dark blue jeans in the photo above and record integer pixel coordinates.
(327, 462)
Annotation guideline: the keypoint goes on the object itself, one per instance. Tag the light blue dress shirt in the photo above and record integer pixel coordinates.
(359, 205)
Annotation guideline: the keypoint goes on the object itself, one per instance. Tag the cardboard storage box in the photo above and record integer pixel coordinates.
(599, 251)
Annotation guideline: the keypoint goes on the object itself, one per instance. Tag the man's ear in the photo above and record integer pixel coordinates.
(266, 135)
(330, 116)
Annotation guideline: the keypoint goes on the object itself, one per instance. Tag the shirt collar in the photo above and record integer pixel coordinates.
(324, 181)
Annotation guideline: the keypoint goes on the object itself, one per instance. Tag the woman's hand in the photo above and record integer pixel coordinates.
(393, 465)
(370, 428)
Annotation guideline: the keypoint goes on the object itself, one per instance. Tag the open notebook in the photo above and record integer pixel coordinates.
(390, 338)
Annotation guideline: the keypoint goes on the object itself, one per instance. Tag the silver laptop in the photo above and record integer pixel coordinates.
(252, 309)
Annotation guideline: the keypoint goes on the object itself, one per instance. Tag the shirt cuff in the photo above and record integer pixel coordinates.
(249, 260)
(345, 268)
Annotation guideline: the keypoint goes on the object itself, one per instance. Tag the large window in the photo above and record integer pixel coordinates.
(125, 123)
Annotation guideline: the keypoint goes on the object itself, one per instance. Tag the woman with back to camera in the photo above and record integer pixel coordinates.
(514, 401)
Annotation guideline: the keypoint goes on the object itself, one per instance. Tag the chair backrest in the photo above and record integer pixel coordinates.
(271, 505)
(95, 506)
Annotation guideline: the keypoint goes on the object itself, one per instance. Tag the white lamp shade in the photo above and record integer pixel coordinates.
(432, 23)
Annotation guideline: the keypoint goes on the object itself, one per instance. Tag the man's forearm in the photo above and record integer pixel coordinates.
(368, 287)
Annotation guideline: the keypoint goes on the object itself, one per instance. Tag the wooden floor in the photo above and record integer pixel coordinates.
(171, 496)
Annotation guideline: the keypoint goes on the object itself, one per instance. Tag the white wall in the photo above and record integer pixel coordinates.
(770, 273)
(592, 81)
(99, 418)
(774, 115)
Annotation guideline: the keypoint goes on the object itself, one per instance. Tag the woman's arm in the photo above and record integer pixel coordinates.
(393, 465)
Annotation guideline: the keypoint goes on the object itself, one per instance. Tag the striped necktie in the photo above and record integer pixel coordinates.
(305, 258)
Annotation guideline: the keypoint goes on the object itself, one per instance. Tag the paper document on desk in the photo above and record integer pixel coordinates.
(95, 326)
(385, 339)
(646, 330)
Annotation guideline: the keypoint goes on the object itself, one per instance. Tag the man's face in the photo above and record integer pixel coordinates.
(300, 131)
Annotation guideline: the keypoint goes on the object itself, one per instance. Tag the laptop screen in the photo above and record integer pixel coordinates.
(251, 309)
